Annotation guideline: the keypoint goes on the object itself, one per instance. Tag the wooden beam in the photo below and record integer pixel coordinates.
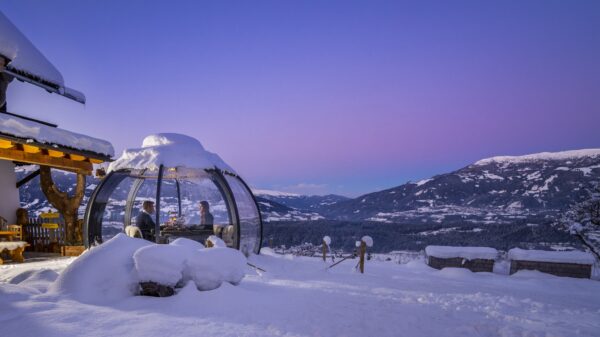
(83, 167)
(9, 142)
(28, 178)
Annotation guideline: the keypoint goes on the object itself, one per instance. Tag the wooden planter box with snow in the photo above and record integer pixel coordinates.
(569, 264)
(476, 259)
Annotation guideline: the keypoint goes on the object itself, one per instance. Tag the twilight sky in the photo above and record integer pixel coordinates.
(318, 97)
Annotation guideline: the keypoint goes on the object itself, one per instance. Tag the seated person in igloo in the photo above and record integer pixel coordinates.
(144, 220)
(206, 217)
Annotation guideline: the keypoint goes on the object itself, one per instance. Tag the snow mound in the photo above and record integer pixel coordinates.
(551, 256)
(564, 155)
(469, 253)
(163, 264)
(210, 267)
(102, 274)
(169, 150)
(113, 270)
(190, 244)
(182, 261)
(367, 240)
(327, 240)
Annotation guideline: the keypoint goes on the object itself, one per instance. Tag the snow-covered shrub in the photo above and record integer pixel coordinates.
(208, 268)
(162, 264)
(104, 273)
(327, 240)
(191, 244)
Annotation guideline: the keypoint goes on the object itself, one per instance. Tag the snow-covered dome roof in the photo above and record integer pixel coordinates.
(169, 150)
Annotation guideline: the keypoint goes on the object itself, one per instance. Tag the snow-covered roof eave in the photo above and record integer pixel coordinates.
(31, 132)
(28, 64)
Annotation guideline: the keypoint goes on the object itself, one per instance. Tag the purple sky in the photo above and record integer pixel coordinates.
(322, 97)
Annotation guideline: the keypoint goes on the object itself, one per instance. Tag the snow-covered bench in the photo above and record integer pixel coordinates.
(15, 249)
(476, 259)
(571, 264)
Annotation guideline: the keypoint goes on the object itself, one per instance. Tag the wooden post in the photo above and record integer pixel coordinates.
(22, 220)
(324, 251)
(363, 250)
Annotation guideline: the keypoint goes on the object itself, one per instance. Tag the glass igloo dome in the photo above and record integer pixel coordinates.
(176, 174)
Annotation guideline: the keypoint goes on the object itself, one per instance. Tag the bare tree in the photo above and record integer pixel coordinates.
(65, 204)
(588, 211)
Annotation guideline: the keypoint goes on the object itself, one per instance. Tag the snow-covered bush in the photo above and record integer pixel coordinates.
(104, 273)
(182, 260)
(162, 264)
(190, 244)
(208, 268)
(114, 270)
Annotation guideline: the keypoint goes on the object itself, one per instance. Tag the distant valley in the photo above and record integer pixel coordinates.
(471, 205)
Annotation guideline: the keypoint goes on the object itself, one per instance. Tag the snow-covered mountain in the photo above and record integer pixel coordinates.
(273, 211)
(493, 190)
(531, 188)
(311, 203)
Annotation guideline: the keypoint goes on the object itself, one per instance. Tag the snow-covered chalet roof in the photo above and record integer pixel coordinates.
(30, 131)
(24, 55)
(169, 150)
(26, 60)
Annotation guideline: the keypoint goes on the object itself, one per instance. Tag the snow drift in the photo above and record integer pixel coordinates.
(113, 270)
(102, 274)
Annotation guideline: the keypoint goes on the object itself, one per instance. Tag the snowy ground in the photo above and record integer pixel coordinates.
(297, 296)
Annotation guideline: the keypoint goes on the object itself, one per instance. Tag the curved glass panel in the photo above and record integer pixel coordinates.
(250, 230)
(182, 192)
(113, 217)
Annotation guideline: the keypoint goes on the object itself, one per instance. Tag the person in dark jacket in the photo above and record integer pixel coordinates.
(5, 79)
(206, 218)
(144, 221)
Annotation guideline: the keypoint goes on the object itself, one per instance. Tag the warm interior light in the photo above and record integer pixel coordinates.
(77, 157)
(31, 148)
(55, 154)
(5, 144)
